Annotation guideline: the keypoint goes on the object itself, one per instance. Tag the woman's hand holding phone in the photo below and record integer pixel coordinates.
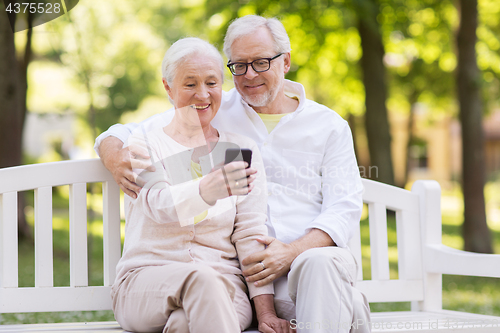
(234, 178)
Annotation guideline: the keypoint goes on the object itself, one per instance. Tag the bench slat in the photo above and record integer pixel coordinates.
(392, 290)
(408, 231)
(95, 327)
(392, 197)
(58, 299)
(8, 236)
(430, 322)
(111, 232)
(28, 177)
(378, 241)
(44, 276)
(78, 235)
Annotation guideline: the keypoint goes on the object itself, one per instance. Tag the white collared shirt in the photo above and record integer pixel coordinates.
(312, 175)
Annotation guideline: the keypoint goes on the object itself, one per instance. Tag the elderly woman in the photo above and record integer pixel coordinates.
(196, 218)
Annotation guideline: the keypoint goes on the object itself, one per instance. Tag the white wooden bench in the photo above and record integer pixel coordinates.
(422, 259)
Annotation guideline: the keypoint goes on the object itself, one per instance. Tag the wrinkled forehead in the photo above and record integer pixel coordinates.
(199, 66)
(259, 44)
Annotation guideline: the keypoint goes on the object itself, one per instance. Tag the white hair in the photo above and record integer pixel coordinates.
(182, 50)
(249, 24)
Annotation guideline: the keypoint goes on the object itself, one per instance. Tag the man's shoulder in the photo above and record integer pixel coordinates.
(322, 113)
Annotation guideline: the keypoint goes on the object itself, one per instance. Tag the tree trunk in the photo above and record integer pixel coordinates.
(13, 109)
(411, 135)
(475, 230)
(351, 120)
(376, 119)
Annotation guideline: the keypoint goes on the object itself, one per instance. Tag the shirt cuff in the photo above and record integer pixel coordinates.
(119, 131)
(334, 226)
(263, 290)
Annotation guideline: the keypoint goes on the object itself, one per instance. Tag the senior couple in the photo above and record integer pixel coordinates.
(202, 235)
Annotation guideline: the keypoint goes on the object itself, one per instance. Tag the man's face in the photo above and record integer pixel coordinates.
(259, 89)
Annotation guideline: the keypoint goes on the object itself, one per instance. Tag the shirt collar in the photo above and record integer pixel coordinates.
(292, 88)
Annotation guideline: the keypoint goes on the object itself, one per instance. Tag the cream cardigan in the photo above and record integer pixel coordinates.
(160, 222)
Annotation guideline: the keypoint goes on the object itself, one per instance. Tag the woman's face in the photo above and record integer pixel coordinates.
(196, 90)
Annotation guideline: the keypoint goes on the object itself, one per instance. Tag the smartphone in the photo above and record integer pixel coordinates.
(237, 154)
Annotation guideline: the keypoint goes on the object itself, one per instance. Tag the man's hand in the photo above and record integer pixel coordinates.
(266, 316)
(269, 323)
(276, 260)
(119, 162)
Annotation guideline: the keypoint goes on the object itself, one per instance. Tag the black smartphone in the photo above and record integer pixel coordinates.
(237, 154)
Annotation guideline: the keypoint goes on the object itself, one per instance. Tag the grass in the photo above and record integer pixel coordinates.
(469, 294)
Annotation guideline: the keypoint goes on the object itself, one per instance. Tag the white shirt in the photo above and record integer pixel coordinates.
(312, 174)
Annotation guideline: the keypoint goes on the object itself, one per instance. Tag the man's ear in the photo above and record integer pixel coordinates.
(167, 87)
(288, 61)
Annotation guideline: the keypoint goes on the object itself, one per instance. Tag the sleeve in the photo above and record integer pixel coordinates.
(161, 201)
(122, 132)
(251, 215)
(341, 187)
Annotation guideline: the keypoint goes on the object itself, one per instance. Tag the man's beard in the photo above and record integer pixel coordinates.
(264, 99)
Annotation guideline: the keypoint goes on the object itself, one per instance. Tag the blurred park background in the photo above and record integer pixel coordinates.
(418, 81)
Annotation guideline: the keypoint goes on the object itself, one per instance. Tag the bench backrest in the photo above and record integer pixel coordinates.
(80, 297)
(408, 286)
(42, 178)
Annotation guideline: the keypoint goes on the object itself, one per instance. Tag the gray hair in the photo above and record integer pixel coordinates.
(247, 25)
(181, 50)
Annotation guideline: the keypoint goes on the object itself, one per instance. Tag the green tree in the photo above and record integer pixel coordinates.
(420, 59)
(374, 80)
(476, 234)
(13, 90)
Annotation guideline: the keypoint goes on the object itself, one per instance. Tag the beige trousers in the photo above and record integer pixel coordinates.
(319, 294)
(181, 297)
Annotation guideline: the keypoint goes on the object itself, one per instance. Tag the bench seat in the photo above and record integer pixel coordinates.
(394, 322)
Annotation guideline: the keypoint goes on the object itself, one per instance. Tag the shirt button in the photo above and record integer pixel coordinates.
(265, 143)
(191, 234)
(269, 193)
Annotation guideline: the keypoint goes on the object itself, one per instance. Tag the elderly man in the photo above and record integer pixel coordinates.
(314, 187)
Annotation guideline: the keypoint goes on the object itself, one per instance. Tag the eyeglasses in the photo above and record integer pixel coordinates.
(258, 65)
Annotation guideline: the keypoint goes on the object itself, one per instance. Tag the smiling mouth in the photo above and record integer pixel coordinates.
(255, 86)
(200, 107)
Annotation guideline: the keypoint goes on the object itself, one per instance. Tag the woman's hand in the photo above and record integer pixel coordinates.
(231, 179)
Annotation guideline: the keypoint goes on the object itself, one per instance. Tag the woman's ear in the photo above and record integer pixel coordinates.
(167, 87)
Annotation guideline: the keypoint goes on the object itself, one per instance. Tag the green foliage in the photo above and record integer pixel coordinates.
(115, 48)
(325, 46)
(420, 57)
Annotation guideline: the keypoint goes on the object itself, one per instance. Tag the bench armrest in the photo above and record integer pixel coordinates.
(442, 259)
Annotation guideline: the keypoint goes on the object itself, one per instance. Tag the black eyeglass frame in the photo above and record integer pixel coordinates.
(229, 64)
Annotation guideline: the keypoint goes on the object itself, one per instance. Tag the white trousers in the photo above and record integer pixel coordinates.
(319, 293)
